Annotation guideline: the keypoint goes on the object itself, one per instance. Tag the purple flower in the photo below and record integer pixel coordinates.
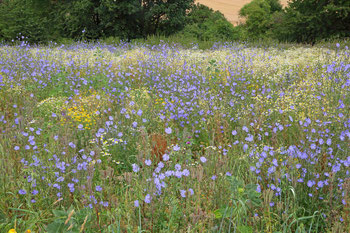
(71, 187)
(185, 172)
(98, 188)
(320, 184)
(213, 177)
(136, 203)
(191, 191)
(165, 157)
(310, 183)
(168, 130)
(80, 126)
(250, 138)
(71, 144)
(245, 147)
(148, 198)
(258, 188)
(176, 148)
(160, 164)
(148, 162)
(203, 159)
(275, 162)
(234, 132)
(183, 193)
(22, 191)
(177, 167)
(135, 167)
(16, 148)
(271, 169)
(104, 203)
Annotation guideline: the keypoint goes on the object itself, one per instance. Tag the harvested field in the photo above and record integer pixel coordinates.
(230, 8)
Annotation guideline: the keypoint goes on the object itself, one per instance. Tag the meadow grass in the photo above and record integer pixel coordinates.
(163, 138)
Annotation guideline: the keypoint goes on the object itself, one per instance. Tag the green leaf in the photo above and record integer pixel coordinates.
(2, 217)
(59, 213)
(218, 214)
(245, 229)
(55, 227)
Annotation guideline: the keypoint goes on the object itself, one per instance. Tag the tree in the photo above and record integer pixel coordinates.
(78, 18)
(41, 20)
(203, 23)
(121, 18)
(126, 19)
(312, 20)
(164, 16)
(258, 15)
(20, 20)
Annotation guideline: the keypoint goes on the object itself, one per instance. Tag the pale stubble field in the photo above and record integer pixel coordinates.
(230, 8)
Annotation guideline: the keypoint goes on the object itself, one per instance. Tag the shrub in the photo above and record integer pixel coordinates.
(259, 15)
(310, 21)
(203, 23)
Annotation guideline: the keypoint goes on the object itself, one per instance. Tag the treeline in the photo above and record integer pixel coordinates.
(40, 21)
(51, 20)
(301, 21)
(43, 20)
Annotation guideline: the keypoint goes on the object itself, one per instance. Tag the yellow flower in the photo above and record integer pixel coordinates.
(12, 231)
(28, 231)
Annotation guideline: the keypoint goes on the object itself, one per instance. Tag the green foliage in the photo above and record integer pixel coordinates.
(120, 18)
(164, 17)
(203, 23)
(259, 14)
(311, 20)
(91, 19)
(78, 19)
(70, 221)
(21, 20)
(301, 21)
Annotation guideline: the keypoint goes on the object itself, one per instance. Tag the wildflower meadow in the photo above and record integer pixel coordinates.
(165, 138)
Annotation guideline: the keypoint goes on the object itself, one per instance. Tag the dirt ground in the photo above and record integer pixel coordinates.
(230, 8)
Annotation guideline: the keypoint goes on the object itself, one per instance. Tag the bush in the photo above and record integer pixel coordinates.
(310, 21)
(203, 23)
(259, 15)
